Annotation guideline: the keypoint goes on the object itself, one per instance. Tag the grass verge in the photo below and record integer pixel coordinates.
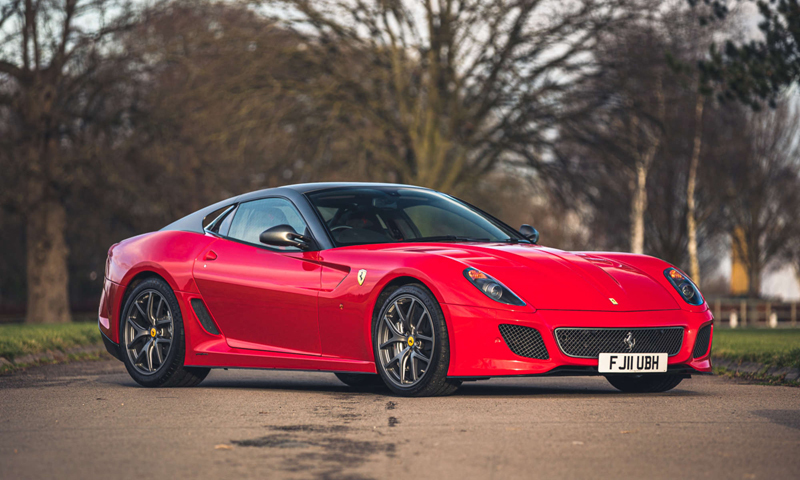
(18, 341)
(772, 348)
(757, 378)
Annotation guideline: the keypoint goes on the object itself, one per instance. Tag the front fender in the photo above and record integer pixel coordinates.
(654, 268)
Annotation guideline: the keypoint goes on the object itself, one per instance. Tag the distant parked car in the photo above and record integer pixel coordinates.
(393, 284)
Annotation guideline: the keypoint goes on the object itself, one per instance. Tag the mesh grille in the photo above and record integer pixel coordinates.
(591, 342)
(204, 317)
(524, 341)
(701, 343)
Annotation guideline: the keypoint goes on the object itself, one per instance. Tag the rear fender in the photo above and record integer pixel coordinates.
(167, 254)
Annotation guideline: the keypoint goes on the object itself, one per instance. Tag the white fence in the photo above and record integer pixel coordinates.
(736, 313)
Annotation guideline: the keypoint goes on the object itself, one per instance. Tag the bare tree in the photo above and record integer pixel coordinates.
(454, 86)
(638, 145)
(702, 41)
(223, 111)
(56, 70)
(763, 184)
(691, 187)
(627, 131)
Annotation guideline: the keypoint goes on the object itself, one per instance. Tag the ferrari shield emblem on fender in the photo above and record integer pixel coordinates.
(613, 301)
(362, 274)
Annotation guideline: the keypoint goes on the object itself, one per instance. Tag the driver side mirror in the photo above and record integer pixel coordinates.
(530, 233)
(284, 236)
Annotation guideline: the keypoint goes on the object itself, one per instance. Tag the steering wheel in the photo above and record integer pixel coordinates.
(341, 227)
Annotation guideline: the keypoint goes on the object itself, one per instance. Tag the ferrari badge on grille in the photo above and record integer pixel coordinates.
(362, 274)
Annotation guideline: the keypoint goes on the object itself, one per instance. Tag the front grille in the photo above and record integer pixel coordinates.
(591, 342)
(524, 341)
(701, 343)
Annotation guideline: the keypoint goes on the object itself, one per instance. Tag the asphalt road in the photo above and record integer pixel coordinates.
(89, 420)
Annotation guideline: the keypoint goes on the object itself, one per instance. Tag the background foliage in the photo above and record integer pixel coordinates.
(607, 124)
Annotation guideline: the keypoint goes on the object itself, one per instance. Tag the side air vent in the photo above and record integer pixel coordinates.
(702, 341)
(524, 341)
(205, 318)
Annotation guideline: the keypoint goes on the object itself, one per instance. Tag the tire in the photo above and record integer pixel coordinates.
(649, 383)
(423, 382)
(170, 372)
(360, 380)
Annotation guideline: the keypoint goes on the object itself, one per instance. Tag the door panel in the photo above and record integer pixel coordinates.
(262, 299)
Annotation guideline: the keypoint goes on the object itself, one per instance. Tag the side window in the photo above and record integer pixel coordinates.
(252, 218)
(213, 216)
(225, 225)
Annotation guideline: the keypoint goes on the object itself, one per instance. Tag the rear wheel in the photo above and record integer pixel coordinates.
(152, 338)
(648, 383)
(410, 342)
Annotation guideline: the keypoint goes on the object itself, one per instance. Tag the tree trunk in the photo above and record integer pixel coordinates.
(754, 281)
(691, 216)
(48, 301)
(797, 272)
(638, 207)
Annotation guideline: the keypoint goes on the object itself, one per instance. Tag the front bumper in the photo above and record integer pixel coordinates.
(477, 349)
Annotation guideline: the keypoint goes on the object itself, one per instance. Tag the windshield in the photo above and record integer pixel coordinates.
(362, 215)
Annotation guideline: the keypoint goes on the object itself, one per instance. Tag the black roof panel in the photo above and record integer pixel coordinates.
(194, 221)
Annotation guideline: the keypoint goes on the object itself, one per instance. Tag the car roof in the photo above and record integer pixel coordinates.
(313, 187)
(193, 221)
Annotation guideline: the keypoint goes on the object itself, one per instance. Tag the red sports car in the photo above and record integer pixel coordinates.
(394, 284)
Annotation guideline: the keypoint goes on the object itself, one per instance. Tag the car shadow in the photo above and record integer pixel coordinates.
(470, 389)
(267, 384)
(551, 391)
(497, 388)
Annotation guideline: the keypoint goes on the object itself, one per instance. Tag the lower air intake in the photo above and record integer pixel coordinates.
(702, 342)
(205, 318)
(524, 341)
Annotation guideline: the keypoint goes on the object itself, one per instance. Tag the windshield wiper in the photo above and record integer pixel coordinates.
(514, 240)
(448, 238)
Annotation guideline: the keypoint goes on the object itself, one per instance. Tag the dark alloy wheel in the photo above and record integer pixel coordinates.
(152, 338)
(410, 342)
(647, 383)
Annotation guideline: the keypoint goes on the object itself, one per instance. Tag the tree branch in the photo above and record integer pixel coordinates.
(10, 69)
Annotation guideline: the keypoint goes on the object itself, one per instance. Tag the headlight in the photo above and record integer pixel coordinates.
(685, 287)
(492, 288)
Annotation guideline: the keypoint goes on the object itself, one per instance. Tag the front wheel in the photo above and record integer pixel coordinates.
(648, 383)
(410, 343)
(152, 338)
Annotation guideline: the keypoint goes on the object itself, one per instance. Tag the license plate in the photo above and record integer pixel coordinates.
(632, 362)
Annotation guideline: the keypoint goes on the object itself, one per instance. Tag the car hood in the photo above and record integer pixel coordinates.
(550, 279)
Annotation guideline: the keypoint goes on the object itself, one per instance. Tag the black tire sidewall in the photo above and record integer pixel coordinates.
(441, 347)
(174, 360)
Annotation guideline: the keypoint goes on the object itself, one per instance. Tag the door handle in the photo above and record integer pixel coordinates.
(211, 255)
